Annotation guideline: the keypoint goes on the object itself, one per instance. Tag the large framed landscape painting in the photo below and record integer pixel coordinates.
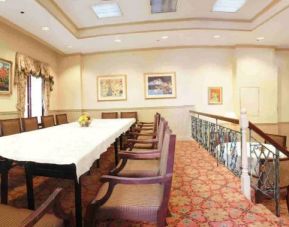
(111, 88)
(215, 95)
(160, 85)
(5, 77)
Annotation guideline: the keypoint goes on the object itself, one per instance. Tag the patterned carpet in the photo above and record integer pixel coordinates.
(202, 193)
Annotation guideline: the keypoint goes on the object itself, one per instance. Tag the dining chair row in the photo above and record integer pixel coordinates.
(138, 189)
(115, 115)
(17, 125)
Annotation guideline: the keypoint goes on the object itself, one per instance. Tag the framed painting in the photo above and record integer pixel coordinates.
(5, 77)
(160, 85)
(215, 95)
(111, 88)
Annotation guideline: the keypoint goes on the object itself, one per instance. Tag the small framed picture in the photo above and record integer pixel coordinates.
(215, 95)
(5, 77)
(160, 85)
(111, 88)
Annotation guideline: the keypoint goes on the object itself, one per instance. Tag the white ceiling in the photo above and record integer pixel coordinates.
(193, 25)
(139, 10)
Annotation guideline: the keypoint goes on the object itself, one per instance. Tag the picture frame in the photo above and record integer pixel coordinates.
(160, 85)
(215, 95)
(5, 77)
(111, 88)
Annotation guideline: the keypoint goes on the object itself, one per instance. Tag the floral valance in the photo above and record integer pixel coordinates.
(26, 66)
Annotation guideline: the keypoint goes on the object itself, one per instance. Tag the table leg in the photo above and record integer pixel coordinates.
(121, 142)
(4, 187)
(29, 188)
(78, 206)
(116, 152)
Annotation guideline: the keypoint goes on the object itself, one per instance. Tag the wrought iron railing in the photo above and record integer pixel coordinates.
(225, 144)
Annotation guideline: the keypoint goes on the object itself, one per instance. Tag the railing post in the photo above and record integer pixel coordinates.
(245, 178)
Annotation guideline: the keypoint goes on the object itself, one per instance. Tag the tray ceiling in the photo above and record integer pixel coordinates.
(74, 28)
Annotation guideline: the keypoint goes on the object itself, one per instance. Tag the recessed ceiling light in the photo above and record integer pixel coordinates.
(110, 9)
(216, 36)
(2, 0)
(117, 40)
(228, 6)
(45, 28)
(165, 37)
(260, 39)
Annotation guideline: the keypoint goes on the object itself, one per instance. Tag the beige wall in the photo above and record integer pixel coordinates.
(69, 81)
(283, 87)
(256, 67)
(196, 70)
(12, 41)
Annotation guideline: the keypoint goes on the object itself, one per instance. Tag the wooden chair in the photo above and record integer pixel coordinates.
(29, 124)
(129, 115)
(15, 217)
(109, 115)
(125, 136)
(279, 139)
(47, 121)
(137, 199)
(149, 125)
(10, 127)
(141, 163)
(61, 119)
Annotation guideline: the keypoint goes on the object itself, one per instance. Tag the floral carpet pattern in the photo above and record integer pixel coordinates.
(203, 194)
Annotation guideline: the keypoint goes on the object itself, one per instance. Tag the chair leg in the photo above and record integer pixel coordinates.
(161, 221)
(4, 187)
(169, 213)
(287, 197)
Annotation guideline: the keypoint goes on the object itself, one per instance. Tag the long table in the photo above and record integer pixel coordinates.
(65, 151)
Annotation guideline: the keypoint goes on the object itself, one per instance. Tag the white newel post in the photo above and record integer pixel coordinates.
(245, 179)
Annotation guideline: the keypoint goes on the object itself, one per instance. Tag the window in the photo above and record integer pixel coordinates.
(34, 104)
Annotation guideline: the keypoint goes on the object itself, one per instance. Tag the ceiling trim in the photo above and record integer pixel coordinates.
(31, 35)
(59, 15)
(179, 47)
(81, 33)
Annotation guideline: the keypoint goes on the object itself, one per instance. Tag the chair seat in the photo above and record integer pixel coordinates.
(131, 202)
(140, 168)
(12, 217)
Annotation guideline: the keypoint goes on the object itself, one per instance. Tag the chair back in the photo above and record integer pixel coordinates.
(167, 153)
(281, 140)
(157, 119)
(10, 127)
(109, 115)
(163, 124)
(29, 124)
(61, 119)
(129, 115)
(47, 121)
(166, 170)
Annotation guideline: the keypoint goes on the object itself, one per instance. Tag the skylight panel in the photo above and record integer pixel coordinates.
(104, 10)
(228, 6)
(163, 6)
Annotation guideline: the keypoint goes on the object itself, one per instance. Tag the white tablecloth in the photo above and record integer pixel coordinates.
(65, 144)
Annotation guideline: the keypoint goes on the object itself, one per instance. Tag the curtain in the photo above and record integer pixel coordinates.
(24, 67)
